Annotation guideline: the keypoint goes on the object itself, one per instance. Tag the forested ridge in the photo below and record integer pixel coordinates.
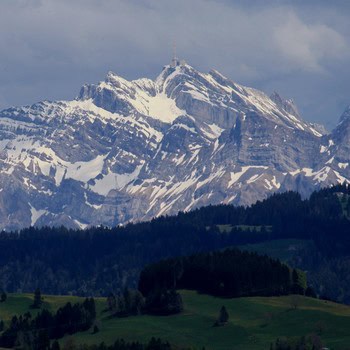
(101, 260)
(229, 274)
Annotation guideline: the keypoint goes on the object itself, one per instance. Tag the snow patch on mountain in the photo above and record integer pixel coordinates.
(113, 181)
(163, 108)
(36, 214)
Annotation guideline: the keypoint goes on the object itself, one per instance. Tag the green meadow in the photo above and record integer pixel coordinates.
(254, 322)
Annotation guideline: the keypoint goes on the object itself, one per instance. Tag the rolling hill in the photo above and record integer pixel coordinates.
(255, 322)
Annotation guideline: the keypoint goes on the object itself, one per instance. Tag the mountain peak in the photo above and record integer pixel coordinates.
(116, 80)
(170, 71)
(133, 150)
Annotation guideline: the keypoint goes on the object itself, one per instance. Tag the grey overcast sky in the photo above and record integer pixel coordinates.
(49, 48)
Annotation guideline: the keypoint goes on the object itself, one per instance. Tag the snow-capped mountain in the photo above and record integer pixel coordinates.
(132, 150)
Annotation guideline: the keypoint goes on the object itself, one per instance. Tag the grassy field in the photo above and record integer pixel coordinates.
(254, 322)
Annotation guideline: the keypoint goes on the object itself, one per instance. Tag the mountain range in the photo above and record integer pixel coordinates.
(132, 150)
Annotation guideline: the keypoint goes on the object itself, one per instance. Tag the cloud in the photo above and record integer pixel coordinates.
(308, 46)
(50, 48)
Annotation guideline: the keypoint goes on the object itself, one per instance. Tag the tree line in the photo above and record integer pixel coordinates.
(101, 260)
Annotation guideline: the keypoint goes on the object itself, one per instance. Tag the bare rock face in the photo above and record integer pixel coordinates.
(132, 150)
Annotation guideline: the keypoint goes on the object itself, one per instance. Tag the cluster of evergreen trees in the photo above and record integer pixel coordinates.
(100, 260)
(130, 302)
(163, 301)
(229, 273)
(36, 332)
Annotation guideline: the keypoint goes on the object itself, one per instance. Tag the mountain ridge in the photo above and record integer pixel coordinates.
(132, 150)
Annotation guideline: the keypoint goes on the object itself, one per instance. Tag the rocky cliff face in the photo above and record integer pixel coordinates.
(131, 150)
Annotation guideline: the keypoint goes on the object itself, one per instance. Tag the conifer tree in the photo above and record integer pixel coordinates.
(223, 317)
(3, 297)
(37, 299)
(111, 302)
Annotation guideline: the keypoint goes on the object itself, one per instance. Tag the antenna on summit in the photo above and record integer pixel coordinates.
(174, 61)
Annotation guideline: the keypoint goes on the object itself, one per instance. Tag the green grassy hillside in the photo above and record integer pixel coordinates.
(254, 322)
